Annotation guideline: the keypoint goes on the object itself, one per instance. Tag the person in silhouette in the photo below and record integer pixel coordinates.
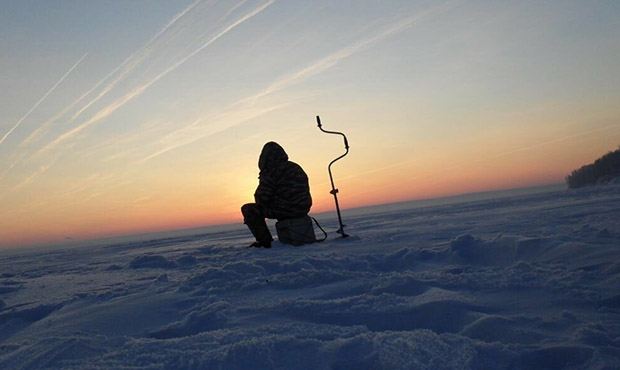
(283, 192)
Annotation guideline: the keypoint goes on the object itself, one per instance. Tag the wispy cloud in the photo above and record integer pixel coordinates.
(139, 90)
(29, 179)
(19, 122)
(125, 69)
(192, 133)
(333, 59)
(223, 121)
(131, 62)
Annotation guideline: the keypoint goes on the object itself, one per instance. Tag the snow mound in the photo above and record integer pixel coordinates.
(186, 261)
(209, 318)
(151, 261)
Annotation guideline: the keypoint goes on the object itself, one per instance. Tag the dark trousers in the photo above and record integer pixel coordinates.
(254, 217)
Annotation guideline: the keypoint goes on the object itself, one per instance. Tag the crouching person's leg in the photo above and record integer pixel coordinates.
(254, 217)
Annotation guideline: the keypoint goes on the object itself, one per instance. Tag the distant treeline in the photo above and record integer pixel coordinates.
(601, 171)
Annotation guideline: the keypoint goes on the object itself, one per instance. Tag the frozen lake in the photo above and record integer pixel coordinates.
(510, 280)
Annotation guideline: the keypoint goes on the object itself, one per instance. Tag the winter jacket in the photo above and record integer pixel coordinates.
(283, 190)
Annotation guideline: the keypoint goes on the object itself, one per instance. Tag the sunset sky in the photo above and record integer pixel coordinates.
(132, 116)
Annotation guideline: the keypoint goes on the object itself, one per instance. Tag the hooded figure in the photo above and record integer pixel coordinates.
(283, 192)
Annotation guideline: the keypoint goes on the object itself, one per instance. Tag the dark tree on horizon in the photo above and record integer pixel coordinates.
(601, 171)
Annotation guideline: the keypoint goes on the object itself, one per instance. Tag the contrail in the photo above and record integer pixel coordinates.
(45, 124)
(19, 122)
(333, 59)
(132, 61)
(68, 108)
(312, 70)
(361, 45)
(213, 131)
(105, 112)
(29, 179)
(128, 65)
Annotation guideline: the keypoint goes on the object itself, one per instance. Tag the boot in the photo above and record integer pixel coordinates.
(254, 218)
(258, 244)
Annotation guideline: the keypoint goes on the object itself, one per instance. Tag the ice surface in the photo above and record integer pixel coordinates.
(518, 282)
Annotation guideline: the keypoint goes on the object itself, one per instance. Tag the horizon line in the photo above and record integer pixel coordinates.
(74, 242)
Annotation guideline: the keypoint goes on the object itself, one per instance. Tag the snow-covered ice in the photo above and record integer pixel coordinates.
(515, 282)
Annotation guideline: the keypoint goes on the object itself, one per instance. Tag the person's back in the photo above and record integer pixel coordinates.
(283, 192)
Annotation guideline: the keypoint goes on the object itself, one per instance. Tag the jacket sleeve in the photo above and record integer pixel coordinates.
(265, 191)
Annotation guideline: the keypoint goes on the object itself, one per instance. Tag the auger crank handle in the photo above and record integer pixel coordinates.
(320, 126)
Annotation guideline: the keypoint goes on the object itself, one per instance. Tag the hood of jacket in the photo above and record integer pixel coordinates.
(272, 156)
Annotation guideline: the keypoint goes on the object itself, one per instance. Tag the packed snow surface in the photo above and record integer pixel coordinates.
(528, 281)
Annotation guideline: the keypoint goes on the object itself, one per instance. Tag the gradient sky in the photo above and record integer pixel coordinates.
(132, 116)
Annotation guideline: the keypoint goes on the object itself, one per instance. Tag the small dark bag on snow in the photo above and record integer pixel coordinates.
(296, 231)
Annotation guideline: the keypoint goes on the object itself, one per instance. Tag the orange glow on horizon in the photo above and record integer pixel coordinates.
(192, 206)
